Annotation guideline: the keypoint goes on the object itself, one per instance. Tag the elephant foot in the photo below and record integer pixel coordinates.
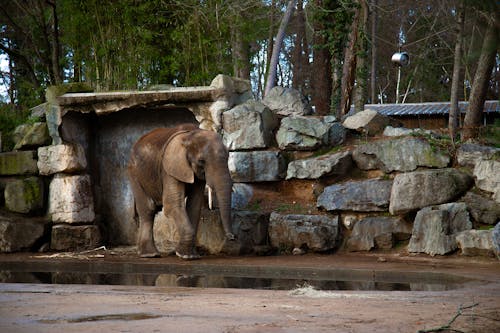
(192, 256)
(148, 251)
(150, 255)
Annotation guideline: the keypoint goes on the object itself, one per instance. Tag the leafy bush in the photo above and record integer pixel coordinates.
(10, 118)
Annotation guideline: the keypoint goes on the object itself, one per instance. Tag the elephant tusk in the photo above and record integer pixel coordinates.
(210, 198)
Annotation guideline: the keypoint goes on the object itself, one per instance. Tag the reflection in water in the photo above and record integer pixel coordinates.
(214, 281)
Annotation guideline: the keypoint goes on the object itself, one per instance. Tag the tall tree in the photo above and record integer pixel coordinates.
(321, 67)
(300, 56)
(273, 66)
(30, 38)
(373, 65)
(349, 66)
(453, 120)
(472, 121)
(361, 88)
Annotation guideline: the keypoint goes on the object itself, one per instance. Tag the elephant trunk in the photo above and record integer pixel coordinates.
(222, 184)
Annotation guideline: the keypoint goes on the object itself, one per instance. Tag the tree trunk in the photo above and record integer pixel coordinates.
(321, 84)
(472, 120)
(55, 44)
(349, 67)
(455, 83)
(273, 66)
(373, 73)
(360, 92)
(241, 58)
(300, 57)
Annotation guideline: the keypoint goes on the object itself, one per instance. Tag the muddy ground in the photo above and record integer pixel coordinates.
(35, 307)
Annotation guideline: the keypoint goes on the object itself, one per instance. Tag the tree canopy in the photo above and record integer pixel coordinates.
(335, 52)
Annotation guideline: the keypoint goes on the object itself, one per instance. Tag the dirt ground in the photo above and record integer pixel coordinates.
(125, 308)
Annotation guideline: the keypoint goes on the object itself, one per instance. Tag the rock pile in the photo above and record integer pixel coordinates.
(398, 189)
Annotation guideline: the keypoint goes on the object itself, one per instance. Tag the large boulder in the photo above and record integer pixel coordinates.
(287, 102)
(469, 153)
(369, 122)
(476, 242)
(364, 196)
(20, 234)
(400, 154)
(25, 195)
(249, 227)
(71, 199)
(313, 232)
(256, 166)
(495, 238)
(435, 228)
(75, 237)
(304, 133)
(402, 131)
(248, 126)
(33, 135)
(18, 163)
(482, 209)
(418, 189)
(380, 232)
(316, 167)
(487, 177)
(63, 158)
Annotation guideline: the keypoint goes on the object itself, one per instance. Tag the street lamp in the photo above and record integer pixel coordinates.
(400, 59)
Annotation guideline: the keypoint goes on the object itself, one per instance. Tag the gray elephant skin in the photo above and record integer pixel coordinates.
(170, 167)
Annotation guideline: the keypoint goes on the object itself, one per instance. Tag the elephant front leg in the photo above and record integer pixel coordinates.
(174, 205)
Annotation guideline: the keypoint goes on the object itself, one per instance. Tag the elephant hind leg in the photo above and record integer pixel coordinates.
(145, 208)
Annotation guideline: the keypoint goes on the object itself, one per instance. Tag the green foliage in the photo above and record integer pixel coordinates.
(490, 135)
(10, 118)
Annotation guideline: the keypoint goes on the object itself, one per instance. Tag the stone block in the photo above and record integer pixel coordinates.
(248, 126)
(75, 238)
(487, 177)
(20, 234)
(256, 166)
(25, 195)
(304, 133)
(435, 228)
(469, 153)
(418, 189)
(399, 154)
(476, 243)
(71, 199)
(287, 102)
(369, 122)
(326, 165)
(34, 135)
(482, 209)
(362, 196)
(378, 232)
(65, 158)
(495, 238)
(18, 163)
(312, 232)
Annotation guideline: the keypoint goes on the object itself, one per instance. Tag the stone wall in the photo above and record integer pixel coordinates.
(399, 189)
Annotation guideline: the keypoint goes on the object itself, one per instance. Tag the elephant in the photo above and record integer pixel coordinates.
(170, 167)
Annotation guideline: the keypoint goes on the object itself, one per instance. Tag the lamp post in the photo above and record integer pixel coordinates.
(400, 59)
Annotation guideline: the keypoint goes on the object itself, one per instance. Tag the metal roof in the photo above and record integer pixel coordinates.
(438, 108)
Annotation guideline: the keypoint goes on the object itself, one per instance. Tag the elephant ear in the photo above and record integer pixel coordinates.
(175, 161)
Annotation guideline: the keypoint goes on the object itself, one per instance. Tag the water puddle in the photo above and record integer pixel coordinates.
(119, 316)
(233, 277)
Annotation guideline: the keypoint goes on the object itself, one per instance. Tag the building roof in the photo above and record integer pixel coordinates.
(438, 108)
